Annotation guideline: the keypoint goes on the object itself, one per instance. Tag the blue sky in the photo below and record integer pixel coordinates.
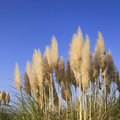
(29, 24)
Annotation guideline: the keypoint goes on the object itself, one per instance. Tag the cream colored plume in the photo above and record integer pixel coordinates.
(33, 78)
(18, 81)
(54, 52)
(76, 50)
(86, 64)
(33, 75)
(100, 51)
(29, 72)
(48, 55)
(37, 67)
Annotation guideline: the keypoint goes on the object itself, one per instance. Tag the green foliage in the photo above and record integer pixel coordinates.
(26, 108)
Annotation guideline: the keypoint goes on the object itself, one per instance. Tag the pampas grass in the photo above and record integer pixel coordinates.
(86, 64)
(85, 71)
(76, 48)
(48, 54)
(100, 50)
(17, 78)
(85, 87)
(54, 52)
(38, 67)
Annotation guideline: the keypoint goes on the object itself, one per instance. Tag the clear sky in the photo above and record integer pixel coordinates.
(29, 24)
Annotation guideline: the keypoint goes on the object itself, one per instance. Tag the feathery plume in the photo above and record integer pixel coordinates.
(18, 81)
(86, 71)
(86, 64)
(36, 82)
(29, 72)
(76, 50)
(100, 51)
(33, 78)
(48, 55)
(99, 57)
(54, 52)
(38, 67)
